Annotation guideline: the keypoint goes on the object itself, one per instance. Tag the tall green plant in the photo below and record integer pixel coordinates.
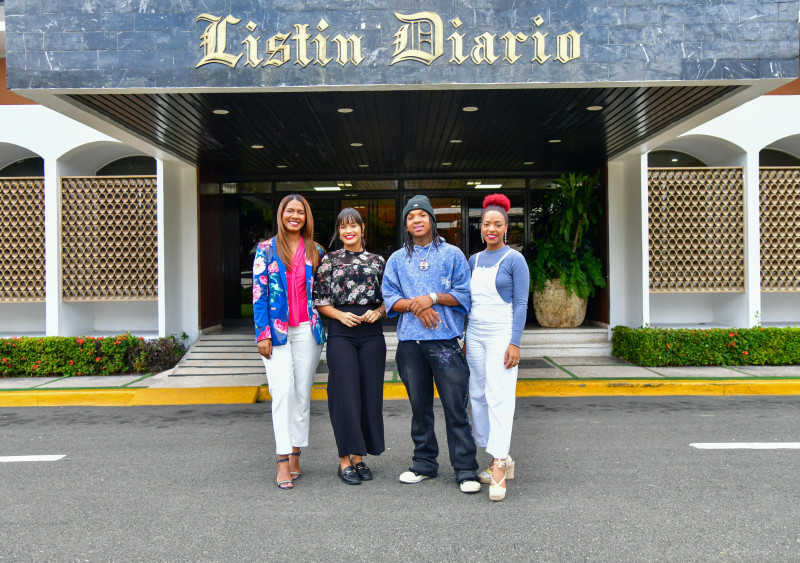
(573, 209)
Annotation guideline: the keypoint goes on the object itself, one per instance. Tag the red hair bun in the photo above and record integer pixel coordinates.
(497, 200)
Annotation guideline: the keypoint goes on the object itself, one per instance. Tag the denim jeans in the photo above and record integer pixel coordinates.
(421, 363)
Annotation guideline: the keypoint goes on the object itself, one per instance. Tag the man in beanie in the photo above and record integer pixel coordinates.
(426, 284)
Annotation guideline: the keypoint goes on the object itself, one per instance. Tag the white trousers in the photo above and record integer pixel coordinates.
(492, 387)
(290, 375)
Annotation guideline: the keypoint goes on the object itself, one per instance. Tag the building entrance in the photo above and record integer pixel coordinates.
(247, 216)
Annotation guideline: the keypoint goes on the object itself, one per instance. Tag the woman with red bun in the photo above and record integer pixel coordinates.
(499, 291)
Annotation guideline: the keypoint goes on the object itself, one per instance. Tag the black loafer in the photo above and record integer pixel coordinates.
(363, 471)
(348, 475)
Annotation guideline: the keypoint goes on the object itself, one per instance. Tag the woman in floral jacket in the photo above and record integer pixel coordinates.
(288, 328)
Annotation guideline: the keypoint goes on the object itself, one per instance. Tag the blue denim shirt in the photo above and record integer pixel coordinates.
(448, 273)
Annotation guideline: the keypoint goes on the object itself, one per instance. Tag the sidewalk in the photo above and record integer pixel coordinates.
(538, 377)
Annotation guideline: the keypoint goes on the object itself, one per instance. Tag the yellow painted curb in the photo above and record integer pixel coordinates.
(611, 387)
(392, 391)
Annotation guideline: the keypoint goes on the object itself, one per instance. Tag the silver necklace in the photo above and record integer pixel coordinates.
(423, 262)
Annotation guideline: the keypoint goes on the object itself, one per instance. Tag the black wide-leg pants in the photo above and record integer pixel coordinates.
(356, 362)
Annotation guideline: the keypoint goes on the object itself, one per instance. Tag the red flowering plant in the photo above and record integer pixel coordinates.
(86, 355)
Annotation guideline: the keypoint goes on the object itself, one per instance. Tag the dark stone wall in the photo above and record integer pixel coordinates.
(154, 44)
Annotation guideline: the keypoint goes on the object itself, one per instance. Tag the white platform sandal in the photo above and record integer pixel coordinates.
(496, 492)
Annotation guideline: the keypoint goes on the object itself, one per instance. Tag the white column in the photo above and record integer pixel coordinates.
(52, 245)
(752, 236)
(627, 240)
(162, 276)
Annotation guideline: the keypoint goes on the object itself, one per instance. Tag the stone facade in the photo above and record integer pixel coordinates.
(252, 44)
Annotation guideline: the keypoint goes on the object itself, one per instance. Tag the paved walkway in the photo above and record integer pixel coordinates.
(576, 376)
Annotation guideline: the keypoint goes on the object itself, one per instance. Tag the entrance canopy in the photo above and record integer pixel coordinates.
(558, 86)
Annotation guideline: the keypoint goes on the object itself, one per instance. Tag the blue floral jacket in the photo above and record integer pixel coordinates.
(270, 300)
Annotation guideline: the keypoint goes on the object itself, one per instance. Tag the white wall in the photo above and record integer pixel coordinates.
(178, 301)
(627, 245)
(19, 319)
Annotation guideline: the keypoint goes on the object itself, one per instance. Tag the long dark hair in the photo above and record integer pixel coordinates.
(408, 242)
(307, 232)
(346, 216)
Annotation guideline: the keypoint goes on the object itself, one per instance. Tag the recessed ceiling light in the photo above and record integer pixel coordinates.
(345, 110)
(356, 144)
(281, 166)
(327, 188)
(488, 186)
(554, 141)
(528, 163)
(363, 165)
(221, 112)
(455, 141)
(674, 160)
(447, 163)
(594, 108)
(256, 146)
(469, 108)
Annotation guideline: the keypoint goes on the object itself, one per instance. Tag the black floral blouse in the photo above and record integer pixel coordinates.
(349, 278)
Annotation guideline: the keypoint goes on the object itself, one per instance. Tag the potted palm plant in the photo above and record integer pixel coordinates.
(565, 270)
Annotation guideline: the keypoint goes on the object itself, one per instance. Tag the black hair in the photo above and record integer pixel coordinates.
(408, 242)
(495, 208)
(346, 216)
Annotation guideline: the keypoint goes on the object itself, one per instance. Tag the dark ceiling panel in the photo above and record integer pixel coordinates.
(404, 133)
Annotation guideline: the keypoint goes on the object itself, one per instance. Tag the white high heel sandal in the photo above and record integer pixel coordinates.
(485, 476)
(496, 492)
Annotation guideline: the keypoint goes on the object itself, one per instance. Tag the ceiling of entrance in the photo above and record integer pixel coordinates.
(295, 135)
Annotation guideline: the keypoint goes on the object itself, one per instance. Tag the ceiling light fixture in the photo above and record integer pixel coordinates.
(594, 108)
(554, 141)
(327, 189)
(528, 162)
(674, 160)
(447, 163)
(281, 166)
(488, 186)
(356, 144)
(455, 141)
(363, 165)
(221, 112)
(469, 109)
(345, 110)
(256, 146)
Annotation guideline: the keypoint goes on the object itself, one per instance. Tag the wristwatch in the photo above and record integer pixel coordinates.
(434, 298)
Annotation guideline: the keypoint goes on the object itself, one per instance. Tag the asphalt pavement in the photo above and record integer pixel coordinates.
(598, 479)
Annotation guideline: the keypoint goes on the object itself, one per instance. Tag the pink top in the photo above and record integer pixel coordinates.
(296, 287)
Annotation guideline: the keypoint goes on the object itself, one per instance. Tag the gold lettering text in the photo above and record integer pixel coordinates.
(346, 44)
(569, 46)
(251, 47)
(484, 49)
(539, 47)
(511, 41)
(457, 42)
(279, 53)
(301, 37)
(215, 39)
(420, 39)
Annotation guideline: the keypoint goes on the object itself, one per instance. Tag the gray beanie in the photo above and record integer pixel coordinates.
(419, 202)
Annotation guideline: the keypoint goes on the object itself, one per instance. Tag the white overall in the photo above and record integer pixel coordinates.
(492, 387)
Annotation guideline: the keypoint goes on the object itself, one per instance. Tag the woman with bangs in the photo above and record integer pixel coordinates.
(347, 289)
(288, 328)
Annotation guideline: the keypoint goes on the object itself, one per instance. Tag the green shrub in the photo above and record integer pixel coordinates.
(86, 355)
(707, 347)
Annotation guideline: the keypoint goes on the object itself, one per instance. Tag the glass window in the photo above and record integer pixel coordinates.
(448, 219)
(337, 186)
(380, 224)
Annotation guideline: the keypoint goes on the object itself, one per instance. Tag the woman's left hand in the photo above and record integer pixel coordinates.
(371, 316)
(512, 356)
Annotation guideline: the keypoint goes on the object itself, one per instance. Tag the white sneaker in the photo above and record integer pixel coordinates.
(413, 477)
(470, 486)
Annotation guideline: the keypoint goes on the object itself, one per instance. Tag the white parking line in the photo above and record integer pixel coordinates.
(18, 458)
(747, 446)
